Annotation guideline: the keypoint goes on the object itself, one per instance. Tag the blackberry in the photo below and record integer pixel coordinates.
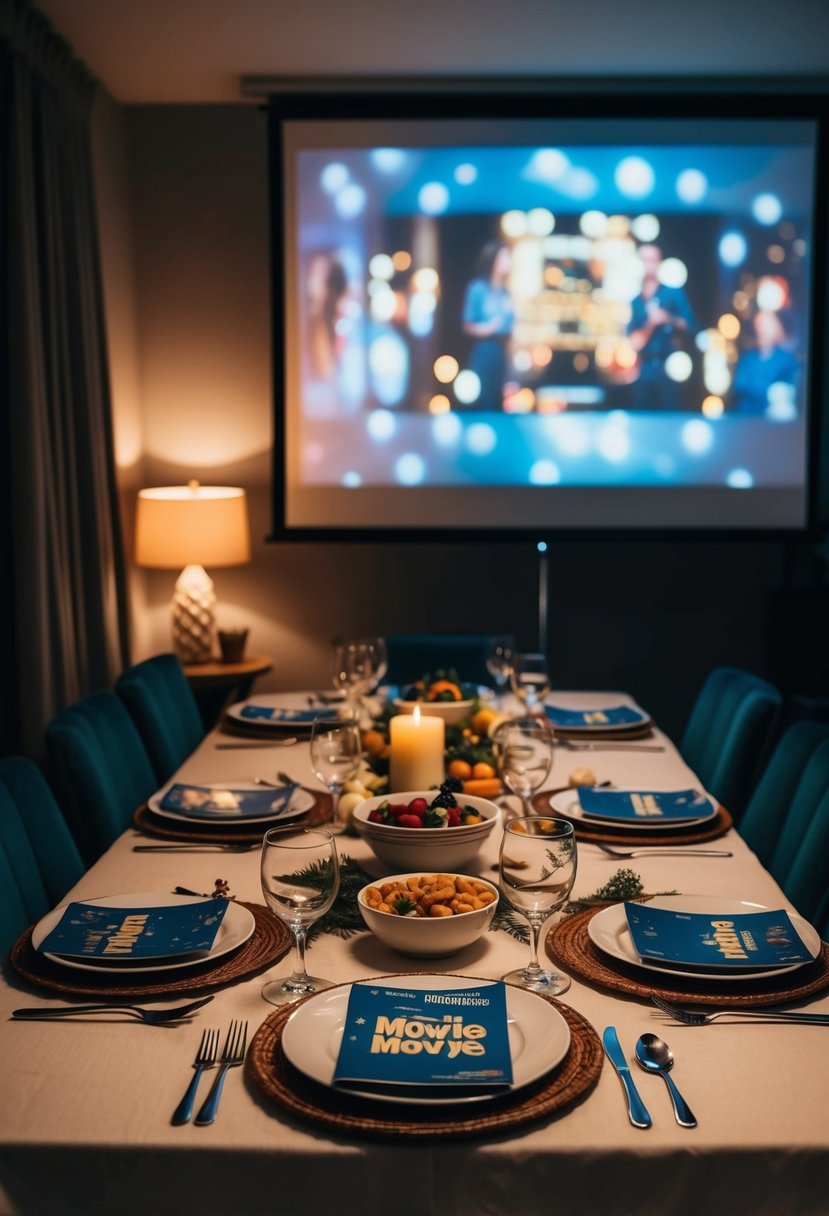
(445, 797)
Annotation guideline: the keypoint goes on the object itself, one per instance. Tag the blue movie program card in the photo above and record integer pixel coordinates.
(206, 802)
(644, 806)
(616, 715)
(399, 1036)
(744, 940)
(93, 931)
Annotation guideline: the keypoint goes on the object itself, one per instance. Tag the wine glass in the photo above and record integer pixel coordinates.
(537, 867)
(499, 662)
(300, 879)
(336, 750)
(530, 679)
(523, 751)
(351, 670)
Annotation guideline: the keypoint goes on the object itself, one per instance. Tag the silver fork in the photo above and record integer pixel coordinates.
(153, 1016)
(205, 1058)
(233, 1054)
(690, 1018)
(659, 850)
(572, 746)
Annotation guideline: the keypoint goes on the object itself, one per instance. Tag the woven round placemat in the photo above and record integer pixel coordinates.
(338, 1111)
(271, 940)
(568, 943)
(712, 830)
(170, 829)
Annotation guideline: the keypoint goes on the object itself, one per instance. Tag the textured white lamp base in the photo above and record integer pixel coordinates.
(193, 621)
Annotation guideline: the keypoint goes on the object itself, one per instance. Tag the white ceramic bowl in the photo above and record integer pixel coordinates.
(427, 936)
(450, 711)
(428, 849)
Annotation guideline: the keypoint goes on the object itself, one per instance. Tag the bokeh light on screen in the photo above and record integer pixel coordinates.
(520, 402)
(549, 164)
(388, 362)
(388, 160)
(715, 374)
(697, 436)
(541, 355)
(465, 174)
(593, 224)
(446, 429)
(514, 224)
(732, 248)
(351, 479)
(673, 272)
(433, 198)
(624, 355)
(522, 360)
(678, 366)
(446, 368)
(613, 443)
(570, 434)
(401, 260)
(381, 425)
(545, 473)
(410, 469)
(439, 404)
(350, 201)
(729, 326)
(333, 177)
(425, 279)
(781, 406)
(422, 313)
(776, 253)
(767, 209)
(741, 301)
(645, 227)
(691, 186)
(467, 386)
(634, 177)
(713, 407)
(581, 362)
(579, 183)
(618, 226)
(665, 466)
(739, 479)
(381, 266)
(772, 294)
(481, 439)
(382, 300)
(540, 221)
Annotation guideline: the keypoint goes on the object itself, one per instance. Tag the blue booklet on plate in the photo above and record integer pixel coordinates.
(598, 719)
(741, 941)
(291, 717)
(208, 802)
(397, 1037)
(645, 806)
(93, 931)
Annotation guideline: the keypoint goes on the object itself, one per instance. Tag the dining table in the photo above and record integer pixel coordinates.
(86, 1104)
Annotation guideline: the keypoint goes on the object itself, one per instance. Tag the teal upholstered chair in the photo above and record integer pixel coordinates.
(162, 706)
(39, 860)
(412, 655)
(101, 770)
(728, 732)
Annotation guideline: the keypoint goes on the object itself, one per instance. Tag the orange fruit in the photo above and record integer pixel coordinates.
(373, 742)
(481, 720)
(482, 770)
(459, 768)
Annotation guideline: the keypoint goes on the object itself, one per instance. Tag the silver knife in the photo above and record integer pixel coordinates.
(637, 1110)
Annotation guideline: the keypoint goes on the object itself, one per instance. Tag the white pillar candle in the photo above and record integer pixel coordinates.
(417, 751)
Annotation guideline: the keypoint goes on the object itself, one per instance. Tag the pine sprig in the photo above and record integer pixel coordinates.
(625, 884)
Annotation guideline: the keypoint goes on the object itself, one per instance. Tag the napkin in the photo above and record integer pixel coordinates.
(742, 941)
(117, 934)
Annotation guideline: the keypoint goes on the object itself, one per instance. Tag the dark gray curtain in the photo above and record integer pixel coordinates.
(63, 615)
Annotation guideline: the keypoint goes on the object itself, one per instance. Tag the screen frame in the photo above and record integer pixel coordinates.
(592, 100)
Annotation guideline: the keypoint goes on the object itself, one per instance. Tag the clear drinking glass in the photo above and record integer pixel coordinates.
(537, 868)
(499, 662)
(530, 679)
(351, 671)
(336, 750)
(310, 855)
(523, 752)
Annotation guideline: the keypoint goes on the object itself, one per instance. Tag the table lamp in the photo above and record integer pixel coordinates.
(192, 526)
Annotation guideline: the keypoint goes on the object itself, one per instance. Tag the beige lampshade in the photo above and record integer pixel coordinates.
(192, 525)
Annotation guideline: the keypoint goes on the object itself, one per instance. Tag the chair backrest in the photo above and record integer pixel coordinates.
(39, 860)
(162, 706)
(801, 858)
(412, 655)
(784, 780)
(727, 734)
(102, 772)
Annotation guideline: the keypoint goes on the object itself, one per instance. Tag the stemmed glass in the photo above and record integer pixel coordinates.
(300, 880)
(523, 751)
(351, 670)
(537, 868)
(530, 679)
(499, 662)
(336, 749)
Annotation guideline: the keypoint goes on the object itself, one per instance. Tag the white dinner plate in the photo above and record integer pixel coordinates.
(291, 718)
(539, 1038)
(236, 927)
(300, 802)
(609, 931)
(566, 802)
(592, 728)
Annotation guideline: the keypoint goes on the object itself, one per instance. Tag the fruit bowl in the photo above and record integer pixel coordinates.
(441, 849)
(427, 936)
(449, 711)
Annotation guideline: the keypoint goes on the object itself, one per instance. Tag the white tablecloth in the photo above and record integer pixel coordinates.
(85, 1109)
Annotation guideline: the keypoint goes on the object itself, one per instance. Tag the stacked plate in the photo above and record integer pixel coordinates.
(636, 810)
(608, 930)
(539, 1039)
(224, 804)
(623, 718)
(273, 713)
(236, 927)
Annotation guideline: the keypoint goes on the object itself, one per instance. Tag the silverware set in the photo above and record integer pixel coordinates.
(154, 1017)
(654, 1056)
(660, 851)
(207, 1057)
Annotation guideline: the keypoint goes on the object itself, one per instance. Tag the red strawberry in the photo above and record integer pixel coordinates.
(418, 806)
(409, 821)
(453, 816)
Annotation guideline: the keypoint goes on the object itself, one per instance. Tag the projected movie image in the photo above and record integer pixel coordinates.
(617, 313)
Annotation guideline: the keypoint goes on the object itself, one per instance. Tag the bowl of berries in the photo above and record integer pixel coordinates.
(426, 829)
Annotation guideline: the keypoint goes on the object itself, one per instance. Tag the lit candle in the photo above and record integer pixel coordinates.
(417, 747)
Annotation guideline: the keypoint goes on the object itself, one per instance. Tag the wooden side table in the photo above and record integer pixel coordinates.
(216, 684)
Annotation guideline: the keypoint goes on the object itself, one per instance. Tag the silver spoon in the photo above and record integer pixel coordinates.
(656, 1056)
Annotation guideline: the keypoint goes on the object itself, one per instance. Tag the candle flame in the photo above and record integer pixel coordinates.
(416, 715)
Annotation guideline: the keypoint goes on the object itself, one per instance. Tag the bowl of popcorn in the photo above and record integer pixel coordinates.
(428, 914)
(430, 829)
